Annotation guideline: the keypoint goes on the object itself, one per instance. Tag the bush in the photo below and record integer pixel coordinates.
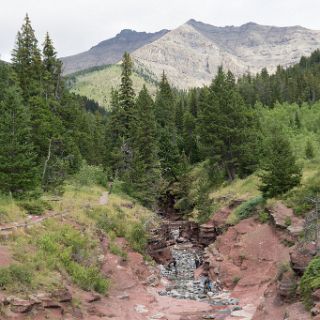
(138, 237)
(297, 199)
(113, 222)
(35, 207)
(87, 278)
(15, 275)
(310, 281)
(246, 209)
(264, 217)
(73, 250)
(309, 150)
(90, 175)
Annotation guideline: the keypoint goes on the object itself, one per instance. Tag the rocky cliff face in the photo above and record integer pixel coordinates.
(110, 51)
(192, 53)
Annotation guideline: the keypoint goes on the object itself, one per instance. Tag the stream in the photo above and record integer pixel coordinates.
(182, 281)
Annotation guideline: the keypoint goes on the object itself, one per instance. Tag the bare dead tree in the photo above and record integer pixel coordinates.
(312, 223)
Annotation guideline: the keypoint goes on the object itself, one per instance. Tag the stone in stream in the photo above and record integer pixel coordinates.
(183, 285)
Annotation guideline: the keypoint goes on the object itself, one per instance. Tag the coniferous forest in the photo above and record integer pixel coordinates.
(223, 177)
(151, 144)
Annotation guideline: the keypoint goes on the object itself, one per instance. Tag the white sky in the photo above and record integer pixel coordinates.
(77, 25)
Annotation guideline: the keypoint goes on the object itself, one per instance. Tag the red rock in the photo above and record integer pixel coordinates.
(93, 297)
(301, 255)
(21, 306)
(316, 296)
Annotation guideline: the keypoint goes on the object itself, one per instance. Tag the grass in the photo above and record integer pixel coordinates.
(310, 281)
(50, 253)
(10, 211)
(97, 85)
(245, 210)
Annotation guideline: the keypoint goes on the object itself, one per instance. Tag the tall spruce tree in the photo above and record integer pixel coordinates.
(145, 170)
(225, 125)
(118, 155)
(280, 172)
(18, 171)
(26, 61)
(52, 77)
(167, 136)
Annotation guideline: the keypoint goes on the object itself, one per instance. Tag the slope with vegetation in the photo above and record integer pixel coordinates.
(190, 153)
(97, 83)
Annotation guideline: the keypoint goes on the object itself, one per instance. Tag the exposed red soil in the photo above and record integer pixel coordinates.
(246, 259)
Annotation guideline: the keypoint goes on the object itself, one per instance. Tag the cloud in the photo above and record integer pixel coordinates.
(77, 25)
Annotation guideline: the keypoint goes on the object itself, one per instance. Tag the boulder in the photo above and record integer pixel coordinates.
(20, 305)
(301, 255)
(62, 295)
(281, 215)
(286, 287)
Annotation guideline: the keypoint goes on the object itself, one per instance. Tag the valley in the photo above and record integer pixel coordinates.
(171, 175)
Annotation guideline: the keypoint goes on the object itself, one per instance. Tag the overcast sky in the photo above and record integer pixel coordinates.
(76, 25)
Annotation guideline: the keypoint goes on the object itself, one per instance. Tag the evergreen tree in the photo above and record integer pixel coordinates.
(145, 171)
(26, 61)
(280, 173)
(165, 116)
(126, 93)
(309, 150)
(52, 77)
(225, 126)
(119, 151)
(18, 171)
(190, 138)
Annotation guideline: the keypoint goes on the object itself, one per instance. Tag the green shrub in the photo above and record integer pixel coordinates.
(72, 250)
(246, 209)
(309, 150)
(113, 222)
(138, 237)
(35, 207)
(87, 278)
(287, 221)
(90, 175)
(297, 198)
(264, 216)
(15, 275)
(310, 281)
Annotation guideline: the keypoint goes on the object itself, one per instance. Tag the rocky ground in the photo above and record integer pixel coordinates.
(243, 263)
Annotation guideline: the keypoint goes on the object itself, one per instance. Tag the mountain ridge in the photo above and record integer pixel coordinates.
(109, 51)
(192, 53)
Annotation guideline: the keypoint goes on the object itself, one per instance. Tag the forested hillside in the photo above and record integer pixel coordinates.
(240, 147)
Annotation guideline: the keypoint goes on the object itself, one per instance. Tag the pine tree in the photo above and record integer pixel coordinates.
(126, 93)
(18, 171)
(190, 139)
(280, 173)
(52, 77)
(309, 150)
(26, 61)
(225, 125)
(145, 170)
(167, 136)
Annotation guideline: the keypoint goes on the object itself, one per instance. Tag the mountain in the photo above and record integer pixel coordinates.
(110, 51)
(192, 53)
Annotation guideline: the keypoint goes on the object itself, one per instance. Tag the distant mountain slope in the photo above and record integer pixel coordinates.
(109, 51)
(96, 84)
(192, 53)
